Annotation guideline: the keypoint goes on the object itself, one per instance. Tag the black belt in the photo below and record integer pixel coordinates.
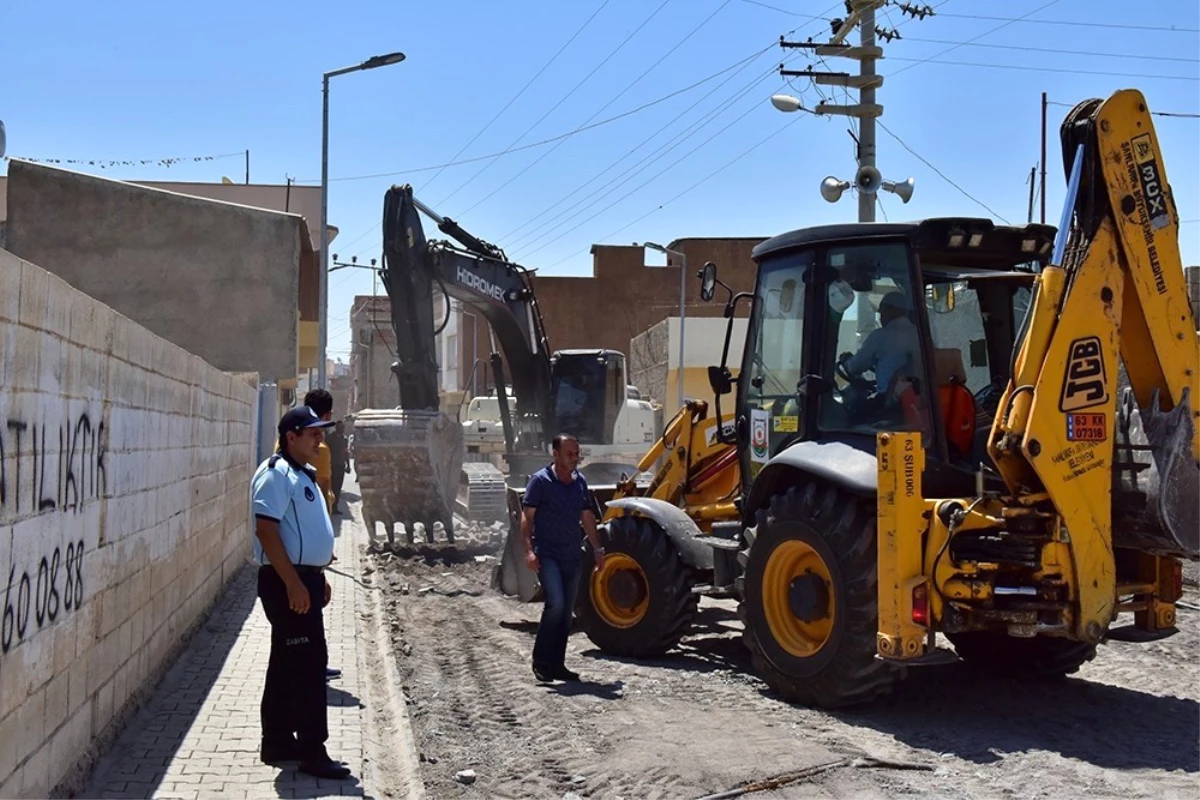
(299, 568)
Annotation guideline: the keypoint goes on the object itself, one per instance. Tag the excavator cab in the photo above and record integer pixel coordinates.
(857, 329)
(589, 390)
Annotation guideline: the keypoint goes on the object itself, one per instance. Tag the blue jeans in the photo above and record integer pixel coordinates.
(560, 583)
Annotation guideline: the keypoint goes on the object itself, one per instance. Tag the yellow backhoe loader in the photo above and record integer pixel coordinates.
(1010, 459)
(655, 570)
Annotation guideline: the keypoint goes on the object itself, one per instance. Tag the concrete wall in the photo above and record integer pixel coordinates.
(654, 359)
(373, 349)
(124, 486)
(624, 297)
(219, 280)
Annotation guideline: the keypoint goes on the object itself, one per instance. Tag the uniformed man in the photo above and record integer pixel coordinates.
(892, 351)
(293, 545)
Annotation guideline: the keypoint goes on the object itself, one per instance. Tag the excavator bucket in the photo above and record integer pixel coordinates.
(1156, 497)
(408, 465)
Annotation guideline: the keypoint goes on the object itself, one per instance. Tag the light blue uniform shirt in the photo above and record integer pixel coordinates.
(289, 495)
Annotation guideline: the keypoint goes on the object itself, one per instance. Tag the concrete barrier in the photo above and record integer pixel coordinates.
(124, 508)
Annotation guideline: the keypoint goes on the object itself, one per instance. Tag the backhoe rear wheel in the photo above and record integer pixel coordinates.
(641, 603)
(810, 603)
(1039, 658)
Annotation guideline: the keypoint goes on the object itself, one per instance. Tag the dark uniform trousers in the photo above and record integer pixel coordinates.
(293, 702)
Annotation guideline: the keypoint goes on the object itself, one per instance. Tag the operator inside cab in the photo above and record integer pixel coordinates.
(891, 352)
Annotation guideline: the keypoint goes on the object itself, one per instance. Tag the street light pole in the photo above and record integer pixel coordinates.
(323, 269)
(682, 305)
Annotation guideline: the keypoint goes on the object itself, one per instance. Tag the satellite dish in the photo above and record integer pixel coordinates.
(2, 139)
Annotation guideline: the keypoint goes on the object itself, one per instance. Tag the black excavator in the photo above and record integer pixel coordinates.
(410, 458)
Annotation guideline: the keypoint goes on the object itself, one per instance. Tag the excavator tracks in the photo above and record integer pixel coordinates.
(481, 493)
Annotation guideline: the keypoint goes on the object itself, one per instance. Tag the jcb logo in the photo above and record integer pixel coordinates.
(1085, 383)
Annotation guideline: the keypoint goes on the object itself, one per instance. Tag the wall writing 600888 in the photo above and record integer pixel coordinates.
(37, 479)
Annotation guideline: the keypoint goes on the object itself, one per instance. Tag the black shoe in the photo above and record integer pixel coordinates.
(543, 674)
(324, 768)
(332, 672)
(276, 753)
(564, 674)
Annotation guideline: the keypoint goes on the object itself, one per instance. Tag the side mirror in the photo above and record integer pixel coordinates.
(720, 379)
(708, 281)
(941, 298)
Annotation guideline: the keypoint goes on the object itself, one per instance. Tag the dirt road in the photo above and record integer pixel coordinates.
(699, 722)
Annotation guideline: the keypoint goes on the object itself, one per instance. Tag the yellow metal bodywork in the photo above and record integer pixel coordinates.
(1119, 297)
(698, 473)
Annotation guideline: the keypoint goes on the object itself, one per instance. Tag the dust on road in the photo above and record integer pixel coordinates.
(698, 721)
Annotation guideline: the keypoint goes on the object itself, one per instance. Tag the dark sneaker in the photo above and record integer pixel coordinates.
(543, 674)
(564, 674)
(276, 752)
(324, 768)
(332, 672)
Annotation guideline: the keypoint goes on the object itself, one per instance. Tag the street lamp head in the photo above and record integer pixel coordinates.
(382, 61)
(785, 102)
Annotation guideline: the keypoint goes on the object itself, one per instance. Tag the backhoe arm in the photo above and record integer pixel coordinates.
(1115, 298)
(478, 275)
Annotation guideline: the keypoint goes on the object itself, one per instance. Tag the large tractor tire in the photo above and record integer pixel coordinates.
(1039, 658)
(641, 603)
(809, 598)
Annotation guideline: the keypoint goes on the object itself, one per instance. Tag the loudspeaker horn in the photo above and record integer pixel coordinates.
(832, 188)
(902, 190)
(868, 179)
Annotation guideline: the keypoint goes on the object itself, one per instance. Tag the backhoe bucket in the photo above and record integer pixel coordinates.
(408, 465)
(1156, 492)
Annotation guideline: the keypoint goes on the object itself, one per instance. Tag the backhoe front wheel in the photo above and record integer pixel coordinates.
(641, 603)
(809, 598)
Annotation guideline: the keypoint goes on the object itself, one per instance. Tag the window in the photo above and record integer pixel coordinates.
(872, 353)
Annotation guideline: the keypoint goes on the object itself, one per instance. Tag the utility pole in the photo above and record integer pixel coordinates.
(867, 178)
(1043, 158)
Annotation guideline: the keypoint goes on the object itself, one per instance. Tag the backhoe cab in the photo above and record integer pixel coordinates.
(958, 427)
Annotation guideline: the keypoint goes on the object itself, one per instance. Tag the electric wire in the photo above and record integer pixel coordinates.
(988, 32)
(1058, 51)
(599, 111)
(605, 191)
(597, 176)
(941, 174)
(735, 68)
(1115, 25)
(564, 98)
(934, 60)
(749, 110)
(1185, 115)
(552, 139)
(629, 173)
(517, 96)
(691, 188)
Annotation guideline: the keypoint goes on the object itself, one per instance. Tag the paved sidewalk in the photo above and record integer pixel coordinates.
(199, 735)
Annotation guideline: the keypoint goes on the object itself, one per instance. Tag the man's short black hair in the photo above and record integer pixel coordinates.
(563, 437)
(320, 401)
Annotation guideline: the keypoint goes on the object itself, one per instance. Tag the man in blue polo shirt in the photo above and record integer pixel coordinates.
(556, 503)
(293, 545)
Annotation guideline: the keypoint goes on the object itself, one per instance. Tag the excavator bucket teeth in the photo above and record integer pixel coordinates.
(1157, 496)
(408, 465)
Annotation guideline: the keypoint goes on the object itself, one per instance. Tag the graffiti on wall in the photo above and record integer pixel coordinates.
(35, 478)
(47, 468)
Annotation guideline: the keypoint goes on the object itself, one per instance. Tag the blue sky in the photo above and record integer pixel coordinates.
(172, 79)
